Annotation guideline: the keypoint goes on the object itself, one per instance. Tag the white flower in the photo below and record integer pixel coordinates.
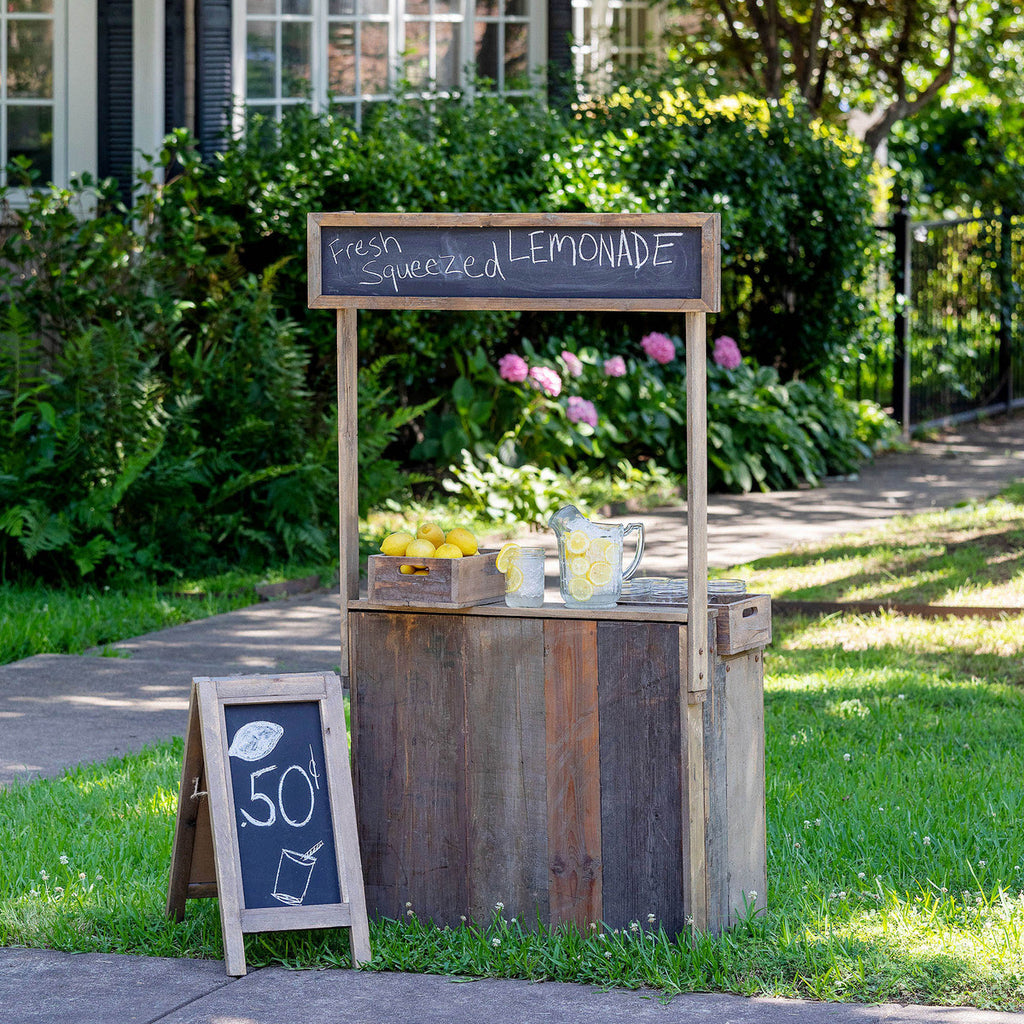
(927, 840)
(982, 863)
(495, 943)
(847, 757)
(43, 875)
(753, 894)
(63, 858)
(650, 919)
(499, 906)
(860, 874)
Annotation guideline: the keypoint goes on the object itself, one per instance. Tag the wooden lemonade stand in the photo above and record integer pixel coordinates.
(575, 766)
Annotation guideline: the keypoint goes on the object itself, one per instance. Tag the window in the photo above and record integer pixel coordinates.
(28, 85)
(351, 52)
(612, 36)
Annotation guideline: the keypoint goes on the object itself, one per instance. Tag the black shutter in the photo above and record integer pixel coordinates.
(116, 107)
(174, 65)
(213, 74)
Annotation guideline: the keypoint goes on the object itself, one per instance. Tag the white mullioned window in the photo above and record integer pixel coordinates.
(353, 52)
(32, 86)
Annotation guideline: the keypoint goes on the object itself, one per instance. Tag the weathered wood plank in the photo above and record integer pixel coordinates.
(745, 781)
(505, 770)
(573, 771)
(641, 784)
(408, 718)
(716, 808)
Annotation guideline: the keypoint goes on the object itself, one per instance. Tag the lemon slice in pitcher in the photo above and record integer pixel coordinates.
(580, 589)
(577, 543)
(600, 573)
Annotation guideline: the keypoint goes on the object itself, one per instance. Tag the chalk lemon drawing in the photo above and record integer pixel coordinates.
(255, 740)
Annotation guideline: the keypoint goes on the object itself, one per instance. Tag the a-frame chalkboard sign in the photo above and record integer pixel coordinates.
(266, 817)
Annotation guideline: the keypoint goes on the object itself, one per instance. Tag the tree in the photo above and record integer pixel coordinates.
(888, 59)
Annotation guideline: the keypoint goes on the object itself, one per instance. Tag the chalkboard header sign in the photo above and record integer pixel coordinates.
(266, 807)
(515, 261)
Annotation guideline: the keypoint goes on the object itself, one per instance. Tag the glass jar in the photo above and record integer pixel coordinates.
(524, 581)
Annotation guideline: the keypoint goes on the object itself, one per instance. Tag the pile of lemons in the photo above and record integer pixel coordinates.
(429, 541)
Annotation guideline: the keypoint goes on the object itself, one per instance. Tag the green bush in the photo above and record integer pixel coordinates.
(166, 398)
(793, 195)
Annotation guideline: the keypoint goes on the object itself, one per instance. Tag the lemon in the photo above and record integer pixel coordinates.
(601, 549)
(463, 539)
(448, 551)
(579, 565)
(600, 573)
(431, 532)
(513, 579)
(396, 543)
(407, 570)
(420, 548)
(580, 589)
(508, 554)
(577, 542)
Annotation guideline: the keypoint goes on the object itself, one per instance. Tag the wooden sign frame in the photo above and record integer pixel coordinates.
(695, 310)
(206, 860)
(587, 251)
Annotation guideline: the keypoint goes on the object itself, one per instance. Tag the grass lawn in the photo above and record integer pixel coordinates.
(895, 799)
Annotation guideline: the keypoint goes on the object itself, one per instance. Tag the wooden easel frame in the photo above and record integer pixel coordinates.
(206, 840)
(695, 309)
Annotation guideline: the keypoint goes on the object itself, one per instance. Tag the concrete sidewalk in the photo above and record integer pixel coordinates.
(43, 987)
(57, 711)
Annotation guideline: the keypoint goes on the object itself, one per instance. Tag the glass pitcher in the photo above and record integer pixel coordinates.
(590, 558)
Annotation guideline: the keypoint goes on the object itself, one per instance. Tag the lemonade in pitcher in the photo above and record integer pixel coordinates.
(590, 558)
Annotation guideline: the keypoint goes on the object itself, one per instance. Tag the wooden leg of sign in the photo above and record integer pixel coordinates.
(697, 501)
(228, 881)
(348, 471)
(188, 814)
(350, 868)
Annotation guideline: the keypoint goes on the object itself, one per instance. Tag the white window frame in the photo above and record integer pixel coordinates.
(74, 96)
(397, 20)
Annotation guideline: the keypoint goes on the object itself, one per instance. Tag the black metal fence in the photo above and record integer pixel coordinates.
(948, 336)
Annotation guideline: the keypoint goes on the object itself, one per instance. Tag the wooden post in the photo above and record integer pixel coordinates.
(696, 503)
(348, 472)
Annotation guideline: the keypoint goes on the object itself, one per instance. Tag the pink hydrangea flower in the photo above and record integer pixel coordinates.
(547, 380)
(572, 363)
(615, 367)
(581, 411)
(513, 368)
(659, 347)
(727, 352)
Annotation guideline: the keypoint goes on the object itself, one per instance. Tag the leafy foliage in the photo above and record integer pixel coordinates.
(792, 193)
(172, 397)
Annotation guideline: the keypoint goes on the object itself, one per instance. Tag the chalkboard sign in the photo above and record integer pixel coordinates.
(266, 807)
(515, 261)
(280, 804)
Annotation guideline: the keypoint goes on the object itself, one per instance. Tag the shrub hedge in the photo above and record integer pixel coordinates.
(166, 399)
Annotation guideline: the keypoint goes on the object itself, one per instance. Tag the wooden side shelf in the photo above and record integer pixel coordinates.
(557, 763)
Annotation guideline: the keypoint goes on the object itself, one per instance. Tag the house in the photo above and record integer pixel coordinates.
(94, 85)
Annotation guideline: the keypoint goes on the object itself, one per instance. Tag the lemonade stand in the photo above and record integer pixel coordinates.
(574, 763)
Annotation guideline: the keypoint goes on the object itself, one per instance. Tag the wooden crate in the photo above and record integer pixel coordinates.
(448, 583)
(559, 766)
(743, 622)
